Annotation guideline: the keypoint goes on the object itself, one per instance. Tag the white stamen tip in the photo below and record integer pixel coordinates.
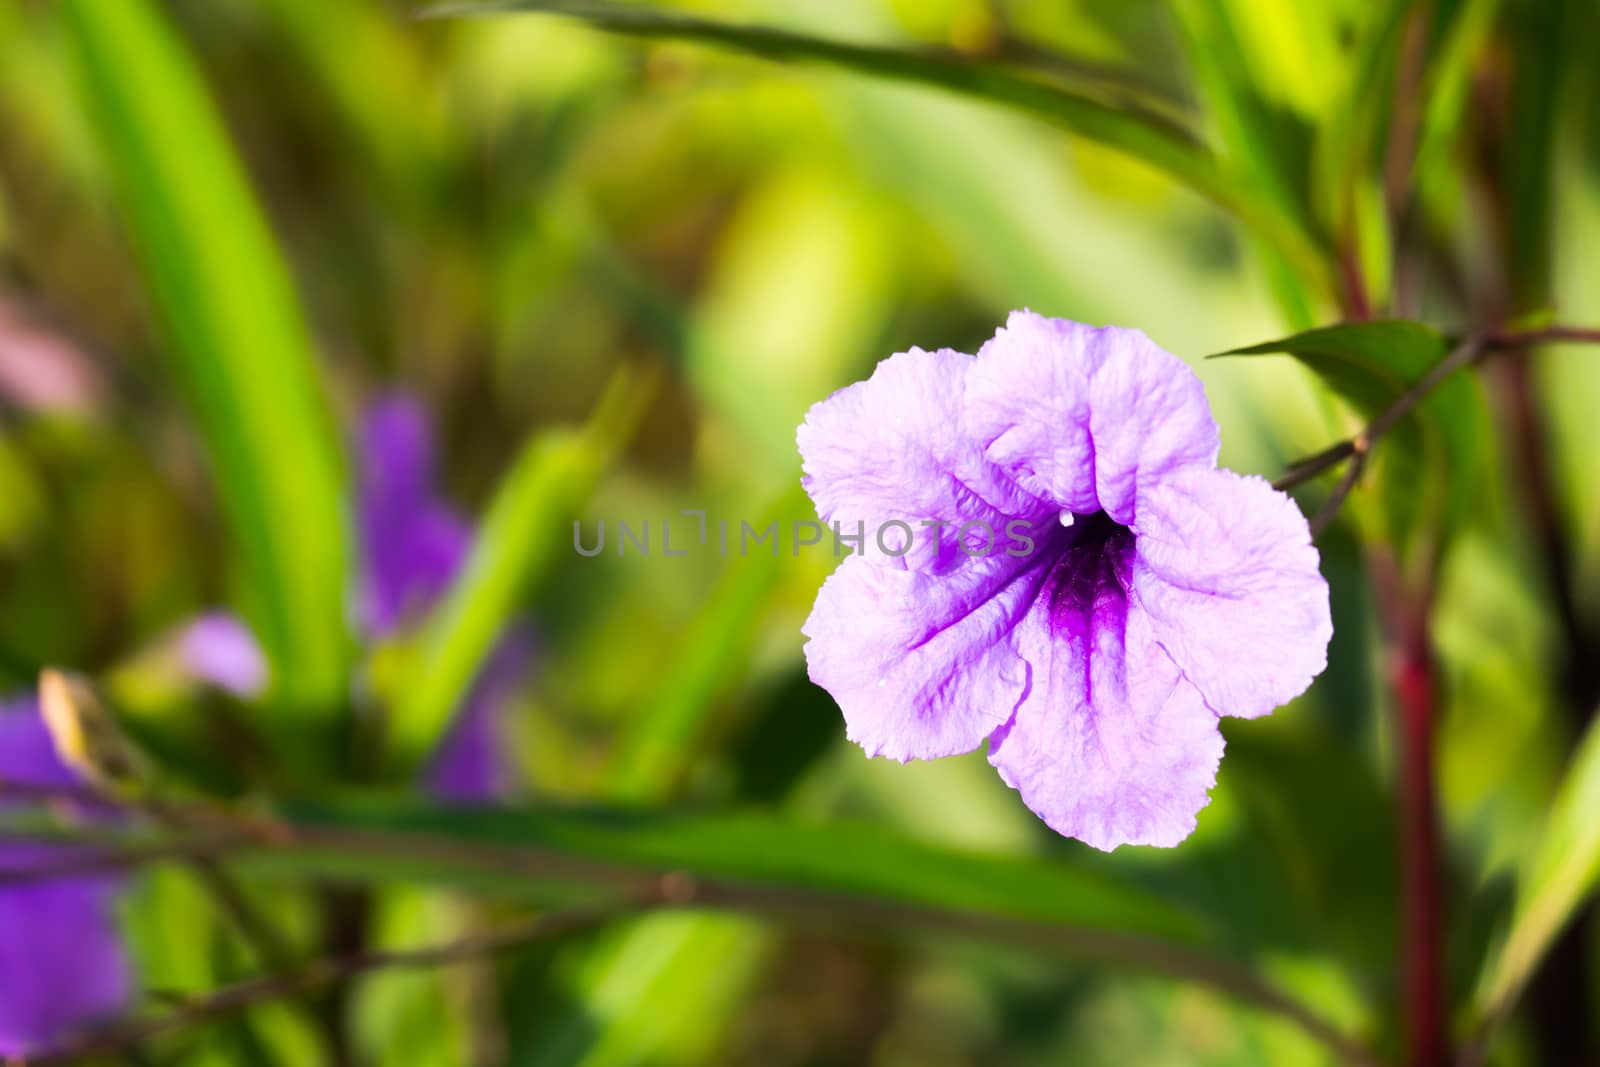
(1067, 518)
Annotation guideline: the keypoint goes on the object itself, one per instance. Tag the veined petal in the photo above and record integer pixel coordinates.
(922, 666)
(1084, 416)
(1112, 745)
(891, 449)
(1227, 573)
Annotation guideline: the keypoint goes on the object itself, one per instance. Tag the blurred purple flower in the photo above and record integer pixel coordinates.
(413, 545)
(470, 766)
(220, 649)
(412, 542)
(1159, 594)
(62, 964)
(41, 369)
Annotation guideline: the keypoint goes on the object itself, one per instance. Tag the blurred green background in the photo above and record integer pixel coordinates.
(226, 225)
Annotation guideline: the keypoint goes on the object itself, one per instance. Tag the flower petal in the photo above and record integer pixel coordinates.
(219, 648)
(1112, 745)
(1227, 572)
(62, 966)
(922, 666)
(890, 449)
(1084, 416)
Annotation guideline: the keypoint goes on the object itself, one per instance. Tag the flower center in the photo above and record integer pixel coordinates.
(1092, 556)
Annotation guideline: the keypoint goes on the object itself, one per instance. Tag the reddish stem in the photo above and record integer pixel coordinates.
(1422, 890)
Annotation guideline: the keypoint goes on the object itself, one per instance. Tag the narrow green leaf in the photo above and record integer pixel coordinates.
(1563, 873)
(239, 341)
(774, 867)
(533, 851)
(528, 524)
(743, 862)
(1445, 92)
(1138, 133)
(1352, 356)
(1267, 144)
(1346, 183)
(1541, 37)
(657, 743)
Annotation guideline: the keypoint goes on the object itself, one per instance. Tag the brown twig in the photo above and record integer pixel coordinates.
(320, 973)
(270, 946)
(1545, 335)
(1466, 353)
(1359, 447)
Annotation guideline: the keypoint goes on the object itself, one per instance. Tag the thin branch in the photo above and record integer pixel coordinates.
(191, 815)
(1303, 470)
(272, 948)
(1470, 350)
(1352, 475)
(242, 996)
(99, 861)
(1545, 335)
(1357, 449)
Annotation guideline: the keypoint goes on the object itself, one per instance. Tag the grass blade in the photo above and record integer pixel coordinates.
(529, 521)
(238, 337)
(1564, 872)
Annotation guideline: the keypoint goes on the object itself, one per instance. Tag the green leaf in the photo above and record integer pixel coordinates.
(528, 524)
(1347, 186)
(239, 341)
(1435, 450)
(1563, 873)
(1140, 134)
(1368, 363)
(772, 867)
(744, 862)
(1446, 90)
(1541, 38)
(532, 851)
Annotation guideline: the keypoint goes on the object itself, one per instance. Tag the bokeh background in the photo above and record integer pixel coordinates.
(525, 226)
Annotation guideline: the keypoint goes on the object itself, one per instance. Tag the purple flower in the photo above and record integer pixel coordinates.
(470, 765)
(62, 964)
(1158, 592)
(218, 648)
(413, 544)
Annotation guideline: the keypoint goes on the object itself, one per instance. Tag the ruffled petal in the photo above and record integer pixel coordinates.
(891, 449)
(922, 666)
(1226, 571)
(1112, 745)
(1084, 416)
